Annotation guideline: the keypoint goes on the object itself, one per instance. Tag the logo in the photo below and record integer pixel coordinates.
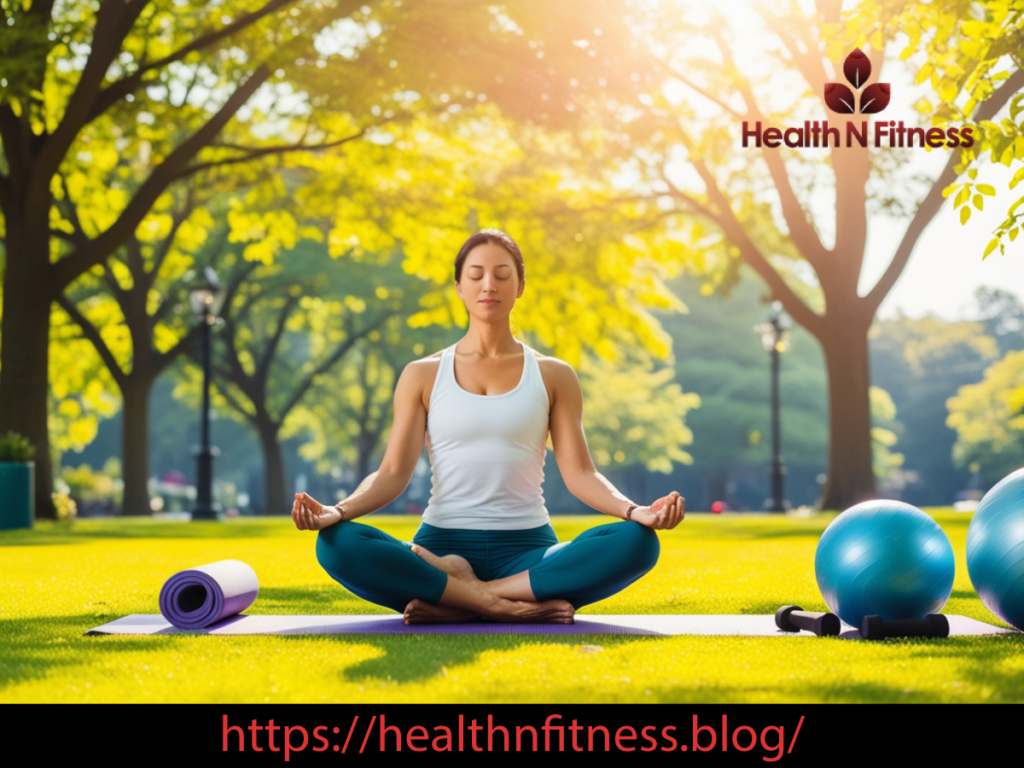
(857, 69)
(843, 101)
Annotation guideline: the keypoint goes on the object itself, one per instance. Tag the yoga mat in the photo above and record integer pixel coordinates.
(202, 596)
(661, 624)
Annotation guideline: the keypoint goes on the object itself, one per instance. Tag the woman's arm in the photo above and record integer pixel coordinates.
(405, 443)
(577, 467)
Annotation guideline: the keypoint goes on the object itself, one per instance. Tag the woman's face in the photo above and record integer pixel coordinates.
(490, 284)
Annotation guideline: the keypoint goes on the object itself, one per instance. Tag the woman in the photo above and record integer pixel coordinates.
(485, 547)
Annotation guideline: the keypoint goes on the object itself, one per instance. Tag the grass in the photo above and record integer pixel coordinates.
(59, 580)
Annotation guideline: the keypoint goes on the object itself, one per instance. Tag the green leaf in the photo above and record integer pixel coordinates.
(1016, 106)
(986, 189)
(965, 214)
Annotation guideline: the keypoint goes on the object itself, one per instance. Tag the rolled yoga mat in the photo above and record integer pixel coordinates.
(202, 596)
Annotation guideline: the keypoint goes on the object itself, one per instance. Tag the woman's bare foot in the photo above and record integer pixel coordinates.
(453, 565)
(516, 611)
(422, 612)
(548, 612)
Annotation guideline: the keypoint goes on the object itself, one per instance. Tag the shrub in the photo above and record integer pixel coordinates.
(67, 509)
(15, 448)
(87, 487)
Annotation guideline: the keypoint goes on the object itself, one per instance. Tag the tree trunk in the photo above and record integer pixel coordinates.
(135, 444)
(851, 477)
(276, 502)
(24, 354)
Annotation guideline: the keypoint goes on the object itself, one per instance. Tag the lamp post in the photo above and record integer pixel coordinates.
(206, 297)
(775, 340)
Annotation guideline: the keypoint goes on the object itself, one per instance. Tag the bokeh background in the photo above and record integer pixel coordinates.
(326, 159)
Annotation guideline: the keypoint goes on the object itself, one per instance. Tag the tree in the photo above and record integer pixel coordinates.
(634, 416)
(719, 357)
(79, 79)
(989, 420)
(131, 313)
(681, 135)
(921, 363)
(971, 52)
(286, 328)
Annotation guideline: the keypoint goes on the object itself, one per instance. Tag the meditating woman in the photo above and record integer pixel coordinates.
(485, 547)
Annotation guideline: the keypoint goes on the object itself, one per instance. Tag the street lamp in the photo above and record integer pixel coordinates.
(775, 340)
(206, 297)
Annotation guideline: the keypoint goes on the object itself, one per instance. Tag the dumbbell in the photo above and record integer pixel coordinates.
(932, 625)
(793, 618)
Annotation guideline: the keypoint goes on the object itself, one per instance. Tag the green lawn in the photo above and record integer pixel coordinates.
(59, 580)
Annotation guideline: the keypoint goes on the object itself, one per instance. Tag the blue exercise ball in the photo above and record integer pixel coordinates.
(995, 549)
(884, 558)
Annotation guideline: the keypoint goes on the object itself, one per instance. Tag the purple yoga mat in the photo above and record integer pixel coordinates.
(750, 625)
(202, 596)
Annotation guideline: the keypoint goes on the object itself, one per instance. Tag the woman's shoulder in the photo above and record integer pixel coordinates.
(420, 375)
(425, 367)
(551, 365)
(558, 375)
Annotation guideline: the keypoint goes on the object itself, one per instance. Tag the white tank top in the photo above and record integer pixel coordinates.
(487, 452)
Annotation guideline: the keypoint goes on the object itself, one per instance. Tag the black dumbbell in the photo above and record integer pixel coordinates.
(932, 625)
(793, 618)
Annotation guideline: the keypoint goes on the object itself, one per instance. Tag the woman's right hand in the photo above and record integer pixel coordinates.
(310, 515)
(664, 514)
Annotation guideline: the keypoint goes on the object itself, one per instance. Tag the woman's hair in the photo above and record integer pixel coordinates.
(496, 237)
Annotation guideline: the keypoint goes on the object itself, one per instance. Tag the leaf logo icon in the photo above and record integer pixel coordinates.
(839, 98)
(857, 68)
(874, 99)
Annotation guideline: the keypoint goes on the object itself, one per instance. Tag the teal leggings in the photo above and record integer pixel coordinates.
(595, 565)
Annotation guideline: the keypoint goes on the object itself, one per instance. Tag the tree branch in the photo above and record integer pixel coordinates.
(162, 359)
(693, 86)
(255, 154)
(233, 402)
(327, 364)
(807, 63)
(119, 293)
(114, 20)
(695, 205)
(93, 335)
(118, 90)
(70, 212)
(263, 366)
(933, 200)
(179, 218)
(735, 231)
(801, 232)
(68, 268)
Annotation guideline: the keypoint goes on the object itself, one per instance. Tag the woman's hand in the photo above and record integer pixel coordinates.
(664, 514)
(310, 515)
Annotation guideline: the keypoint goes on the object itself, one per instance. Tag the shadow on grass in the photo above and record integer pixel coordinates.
(36, 647)
(328, 599)
(963, 593)
(414, 658)
(80, 532)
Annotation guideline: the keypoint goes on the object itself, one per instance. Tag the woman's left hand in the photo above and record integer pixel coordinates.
(310, 515)
(664, 514)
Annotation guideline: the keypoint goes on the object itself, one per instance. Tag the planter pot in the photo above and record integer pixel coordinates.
(17, 494)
